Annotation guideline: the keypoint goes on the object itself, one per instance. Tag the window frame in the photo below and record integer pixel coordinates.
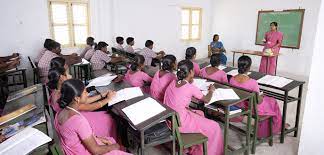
(70, 23)
(190, 25)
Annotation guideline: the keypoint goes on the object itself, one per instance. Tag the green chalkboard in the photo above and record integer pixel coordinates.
(290, 23)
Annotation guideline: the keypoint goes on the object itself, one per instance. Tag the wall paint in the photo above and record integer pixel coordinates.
(159, 20)
(312, 135)
(236, 22)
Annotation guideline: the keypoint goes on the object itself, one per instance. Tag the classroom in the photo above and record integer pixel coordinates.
(162, 77)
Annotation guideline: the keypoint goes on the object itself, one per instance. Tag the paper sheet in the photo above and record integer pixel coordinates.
(222, 94)
(24, 142)
(143, 110)
(235, 72)
(126, 94)
(102, 80)
(220, 67)
(83, 61)
(276, 81)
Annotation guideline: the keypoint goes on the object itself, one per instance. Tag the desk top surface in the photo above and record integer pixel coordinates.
(252, 52)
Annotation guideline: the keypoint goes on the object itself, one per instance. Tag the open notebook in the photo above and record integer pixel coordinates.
(221, 94)
(24, 142)
(126, 94)
(143, 110)
(202, 84)
(235, 72)
(276, 81)
(104, 80)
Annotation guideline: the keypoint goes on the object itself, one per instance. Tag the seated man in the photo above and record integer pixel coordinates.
(151, 57)
(217, 47)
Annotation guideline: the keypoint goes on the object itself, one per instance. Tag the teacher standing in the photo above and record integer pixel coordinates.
(272, 43)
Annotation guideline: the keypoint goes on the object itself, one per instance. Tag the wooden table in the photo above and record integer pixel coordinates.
(244, 95)
(81, 71)
(142, 127)
(282, 96)
(256, 53)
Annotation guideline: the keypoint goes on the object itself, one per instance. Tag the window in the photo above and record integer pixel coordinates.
(69, 21)
(191, 23)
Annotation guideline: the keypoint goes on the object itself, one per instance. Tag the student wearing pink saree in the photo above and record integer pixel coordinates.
(163, 77)
(136, 77)
(178, 97)
(213, 72)
(267, 107)
(74, 130)
(273, 40)
(102, 123)
(191, 55)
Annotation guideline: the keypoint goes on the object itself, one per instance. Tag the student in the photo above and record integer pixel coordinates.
(272, 41)
(178, 97)
(213, 72)
(101, 122)
(130, 43)
(120, 42)
(191, 55)
(100, 58)
(135, 76)
(88, 48)
(149, 54)
(54, 50)
(74, 130)
(47, 43)
(218, 47)
(268, 106)
(163, 77)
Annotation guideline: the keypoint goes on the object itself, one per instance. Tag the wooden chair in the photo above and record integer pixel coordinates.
(257, 120)
(186, 140)
(35, 71)
(54, 147)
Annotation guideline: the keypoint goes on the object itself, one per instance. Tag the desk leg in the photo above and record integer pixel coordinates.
(226, 128)
(24, 79)
(248, 127)
(142, 142)
(283, 122)
(233, 58)
(74, 72)
(300, 94)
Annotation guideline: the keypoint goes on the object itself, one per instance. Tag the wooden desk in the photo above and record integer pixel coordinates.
(244, 95)
(14, 74)
(284, 96)
(81, 71)
(142, 127)
(38, 98)
(256, 53)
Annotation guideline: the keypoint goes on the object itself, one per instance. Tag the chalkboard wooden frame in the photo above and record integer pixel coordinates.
(300, 29)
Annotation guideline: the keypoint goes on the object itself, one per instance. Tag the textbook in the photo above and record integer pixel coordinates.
(12, 115)
(24, 142)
